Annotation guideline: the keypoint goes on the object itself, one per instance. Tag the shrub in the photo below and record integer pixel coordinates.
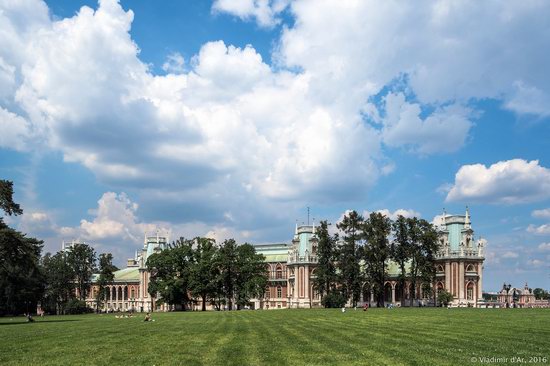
(333, 300)
(75, 306)
(444, 297)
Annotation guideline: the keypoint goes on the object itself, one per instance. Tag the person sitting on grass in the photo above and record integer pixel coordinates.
(29, 318)
(147, 317)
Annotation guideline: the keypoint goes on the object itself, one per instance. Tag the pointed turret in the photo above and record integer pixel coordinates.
(467, 219)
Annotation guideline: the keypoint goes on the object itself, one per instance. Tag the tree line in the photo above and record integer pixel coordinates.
(26, 278)
(358, 256)
(224, 275)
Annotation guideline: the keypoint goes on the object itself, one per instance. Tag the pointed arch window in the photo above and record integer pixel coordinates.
(279, 272)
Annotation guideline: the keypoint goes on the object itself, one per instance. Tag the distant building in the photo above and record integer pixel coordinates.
(128, 292)
(291, 272)
(459, 269)
(514, 297)
(66, 246)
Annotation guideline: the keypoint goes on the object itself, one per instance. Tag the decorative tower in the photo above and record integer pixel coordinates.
(151, 245)
(459, 262)
(301, 264)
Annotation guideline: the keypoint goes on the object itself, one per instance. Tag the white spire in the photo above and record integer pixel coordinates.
(314, 226)
(467, 219)
(296, 230)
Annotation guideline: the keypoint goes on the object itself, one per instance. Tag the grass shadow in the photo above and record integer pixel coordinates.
(40, 321)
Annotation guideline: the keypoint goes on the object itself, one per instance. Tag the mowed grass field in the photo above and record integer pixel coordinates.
(423, 336)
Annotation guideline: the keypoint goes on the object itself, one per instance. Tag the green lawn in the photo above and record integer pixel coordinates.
(281, 337)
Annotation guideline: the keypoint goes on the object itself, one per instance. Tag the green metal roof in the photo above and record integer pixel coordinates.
(273, 252)
(276, 258)
(127, 274)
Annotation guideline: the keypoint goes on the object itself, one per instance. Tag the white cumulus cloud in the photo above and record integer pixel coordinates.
(539, 230)
(115, 217)
(450, 51)
(264, 12)
(228, 129)
(506, 182)
(541, 214)
(445, 130)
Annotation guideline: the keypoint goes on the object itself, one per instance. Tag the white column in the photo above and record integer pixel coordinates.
(393, 293)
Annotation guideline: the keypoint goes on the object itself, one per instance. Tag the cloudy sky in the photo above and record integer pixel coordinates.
(229, 118)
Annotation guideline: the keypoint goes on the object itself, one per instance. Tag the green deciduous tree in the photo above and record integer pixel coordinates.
(204, 272)
(252, 277)
(227, 264)
(59, 280)
(423, 240)
(242, 274)
(377, 229)
(106, 277)
(400, 250)
(170, 272)
(326, 280)
(82, 259)
(21, 282)
(541, 294)
(348, 261)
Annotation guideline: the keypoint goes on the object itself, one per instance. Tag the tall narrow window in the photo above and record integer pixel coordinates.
(470, 291)
(279, 292)
(279, 273)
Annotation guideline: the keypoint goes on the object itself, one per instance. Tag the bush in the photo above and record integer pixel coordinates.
(333, 300)
(75, 306)
(444, 297)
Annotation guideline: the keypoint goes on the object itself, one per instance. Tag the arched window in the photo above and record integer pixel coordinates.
(439, 268)
(279, 292)
(279, 272)
(470, 268)
(267, 292)
(133, 293)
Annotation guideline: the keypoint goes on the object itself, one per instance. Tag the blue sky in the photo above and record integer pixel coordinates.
(229, 118)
